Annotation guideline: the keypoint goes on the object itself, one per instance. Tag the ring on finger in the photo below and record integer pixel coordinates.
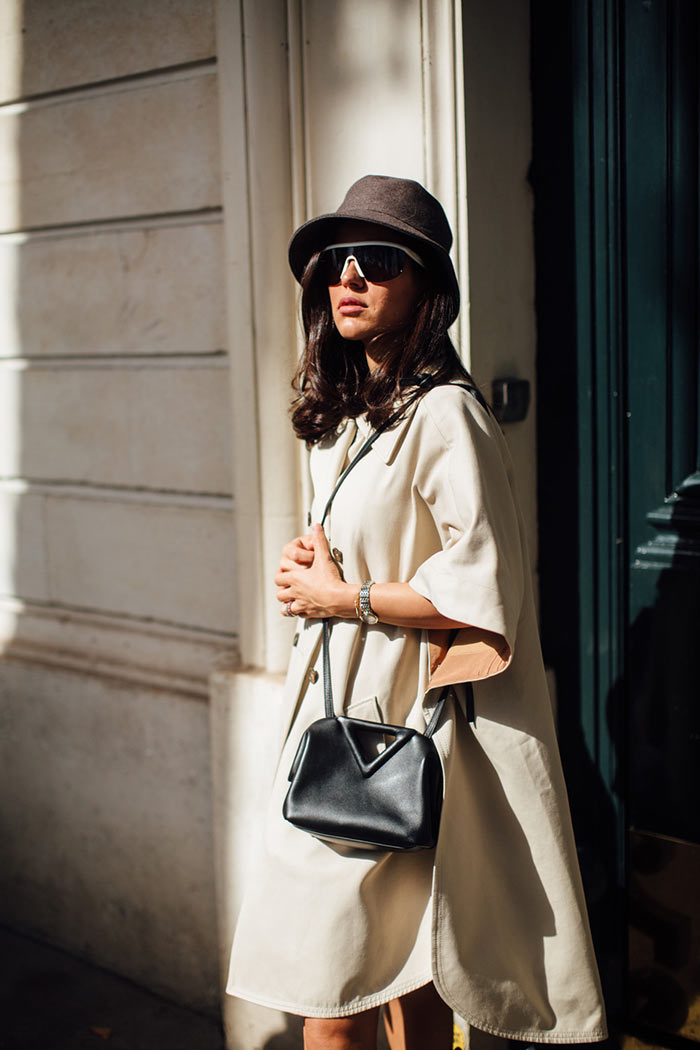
(288, 609)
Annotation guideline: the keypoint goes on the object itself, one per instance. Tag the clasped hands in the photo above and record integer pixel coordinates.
(309, 581)
(311, 585)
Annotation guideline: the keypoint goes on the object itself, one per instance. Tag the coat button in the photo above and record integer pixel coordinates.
(295, 638)
(313, 676)
(308, 518)
(337, 555)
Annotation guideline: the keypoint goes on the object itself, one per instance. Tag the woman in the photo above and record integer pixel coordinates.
(422, 569)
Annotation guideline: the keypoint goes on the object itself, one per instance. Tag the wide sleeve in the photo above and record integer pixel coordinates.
(464, 478)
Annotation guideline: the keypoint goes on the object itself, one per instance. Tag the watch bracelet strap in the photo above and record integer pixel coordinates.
(363, 601)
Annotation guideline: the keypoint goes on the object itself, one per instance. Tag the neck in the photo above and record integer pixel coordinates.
(376, 351)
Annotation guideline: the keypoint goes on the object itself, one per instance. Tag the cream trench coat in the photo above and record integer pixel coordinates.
(495, 915)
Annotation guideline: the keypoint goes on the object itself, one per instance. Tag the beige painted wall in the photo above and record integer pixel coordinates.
(117, 575)
(106, 826)
(501, 245)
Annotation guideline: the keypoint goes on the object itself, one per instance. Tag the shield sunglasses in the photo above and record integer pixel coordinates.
(375, 261)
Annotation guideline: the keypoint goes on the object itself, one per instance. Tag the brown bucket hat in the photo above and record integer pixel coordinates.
(401, 206)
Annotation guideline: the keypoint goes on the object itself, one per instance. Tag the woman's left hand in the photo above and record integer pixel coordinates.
(317, 590)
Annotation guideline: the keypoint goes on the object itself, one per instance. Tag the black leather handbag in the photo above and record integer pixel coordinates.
(373, 785)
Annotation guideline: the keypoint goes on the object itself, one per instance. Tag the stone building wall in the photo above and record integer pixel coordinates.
(117, 585)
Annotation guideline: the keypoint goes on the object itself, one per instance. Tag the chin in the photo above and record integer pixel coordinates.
(353, 333)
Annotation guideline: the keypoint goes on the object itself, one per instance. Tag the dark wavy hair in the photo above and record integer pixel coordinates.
(333, 381)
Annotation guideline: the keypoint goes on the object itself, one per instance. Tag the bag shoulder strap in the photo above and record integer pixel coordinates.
(367, 446)
(327, 686)
(477, 394)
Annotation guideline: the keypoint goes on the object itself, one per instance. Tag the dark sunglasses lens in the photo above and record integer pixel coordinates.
(332, 262)
(378, 262)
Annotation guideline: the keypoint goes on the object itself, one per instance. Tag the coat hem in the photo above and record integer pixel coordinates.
(595, 1035)
(537, 1035)
(308, 1010)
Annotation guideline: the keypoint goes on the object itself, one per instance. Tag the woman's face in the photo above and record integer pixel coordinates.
(364, 311)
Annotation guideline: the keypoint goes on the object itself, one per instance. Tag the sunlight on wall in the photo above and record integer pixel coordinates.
(10, 376)
(11, 341)
(11, 16)
(10, 490)
(366, 66)
(10, 419)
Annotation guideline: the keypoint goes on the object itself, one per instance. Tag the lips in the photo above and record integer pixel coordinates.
(350, 307)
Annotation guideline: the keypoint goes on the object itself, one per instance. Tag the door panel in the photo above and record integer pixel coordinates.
(627, 187)
(660, 274)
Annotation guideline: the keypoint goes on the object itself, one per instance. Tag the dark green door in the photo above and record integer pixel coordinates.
(616, 195)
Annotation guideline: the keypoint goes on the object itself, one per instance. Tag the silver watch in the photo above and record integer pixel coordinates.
(367, 613)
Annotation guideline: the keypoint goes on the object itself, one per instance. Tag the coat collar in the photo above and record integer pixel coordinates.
(388, 442)
(330, 465)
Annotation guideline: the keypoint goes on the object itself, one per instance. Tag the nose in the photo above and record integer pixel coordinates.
(350, 277)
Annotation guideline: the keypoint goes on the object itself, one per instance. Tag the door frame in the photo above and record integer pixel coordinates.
(581, 437)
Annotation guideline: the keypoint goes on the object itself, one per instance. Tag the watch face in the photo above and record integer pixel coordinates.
(370, 617)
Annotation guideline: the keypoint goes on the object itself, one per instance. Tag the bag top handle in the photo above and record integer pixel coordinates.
(328, 688)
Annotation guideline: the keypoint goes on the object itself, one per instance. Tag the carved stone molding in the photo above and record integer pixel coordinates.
(678, 521)
(149, 654)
